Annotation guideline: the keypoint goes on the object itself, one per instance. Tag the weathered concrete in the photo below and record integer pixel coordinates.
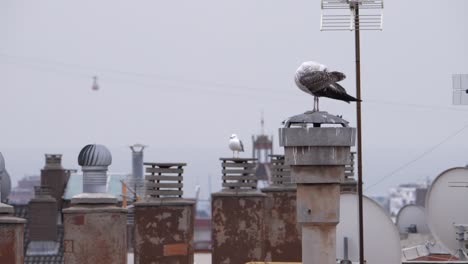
(11, 236)
(237, 227)
(317, 156)
(95, 234)
(318, 204)
(319, 244)
(282, 233)
(164, 230)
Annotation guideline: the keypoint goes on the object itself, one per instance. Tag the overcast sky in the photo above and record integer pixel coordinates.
(181, 76)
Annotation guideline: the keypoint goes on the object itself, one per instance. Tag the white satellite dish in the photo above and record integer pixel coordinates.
(412, 219)
(381, 238)
(446, 206)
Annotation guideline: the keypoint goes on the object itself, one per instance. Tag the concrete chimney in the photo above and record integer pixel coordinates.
(317, 156)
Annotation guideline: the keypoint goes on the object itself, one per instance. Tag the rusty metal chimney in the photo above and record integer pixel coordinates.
(317, 147)
(238, 214)
(11, 230)
(282, 233)
(164, 221)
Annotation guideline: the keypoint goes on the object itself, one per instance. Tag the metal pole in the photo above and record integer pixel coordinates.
(359, 130)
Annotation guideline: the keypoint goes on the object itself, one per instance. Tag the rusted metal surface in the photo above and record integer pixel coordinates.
(282, 233)
(280, 172)
(237, 227)
(239, 174)
(95, 234)
(164, 179)
(164, 232)
(11, 242)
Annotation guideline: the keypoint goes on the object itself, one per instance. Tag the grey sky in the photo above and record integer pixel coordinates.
(181, 76)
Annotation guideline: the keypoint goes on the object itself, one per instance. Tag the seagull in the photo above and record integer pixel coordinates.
(315, 79)
(235, 144)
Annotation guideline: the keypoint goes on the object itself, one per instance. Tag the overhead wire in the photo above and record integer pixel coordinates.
(417, 158)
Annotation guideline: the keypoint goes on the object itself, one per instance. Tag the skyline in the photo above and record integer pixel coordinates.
(181, 77)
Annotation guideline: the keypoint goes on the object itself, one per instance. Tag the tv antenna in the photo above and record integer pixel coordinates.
(460, 89)
(354, 15)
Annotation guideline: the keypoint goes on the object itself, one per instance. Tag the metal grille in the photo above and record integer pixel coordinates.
(40, 191)
(338, 15)
(164, 179)
(349, 169)
(460, 89)
(280, 173)
(239, 174)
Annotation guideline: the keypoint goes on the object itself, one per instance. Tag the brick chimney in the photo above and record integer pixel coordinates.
(43, 215)
(54, 176)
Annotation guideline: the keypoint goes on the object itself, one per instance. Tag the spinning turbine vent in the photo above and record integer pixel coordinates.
(338, 15)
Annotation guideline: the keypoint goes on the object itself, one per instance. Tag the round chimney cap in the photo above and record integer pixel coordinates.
(316, 118)
(94, 155)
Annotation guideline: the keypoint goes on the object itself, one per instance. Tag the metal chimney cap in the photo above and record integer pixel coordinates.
(94, 155)
(316, 118)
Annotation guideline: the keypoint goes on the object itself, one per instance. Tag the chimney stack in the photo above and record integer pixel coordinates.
(95, 228)
(164, 221)
(11, 230)
(54, 177)
(137, 180)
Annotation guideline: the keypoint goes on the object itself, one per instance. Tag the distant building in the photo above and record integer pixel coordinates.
(262, 148)
(24, 191)
(404, 194)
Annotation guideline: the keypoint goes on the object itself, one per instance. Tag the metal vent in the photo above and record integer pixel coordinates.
(460, 89)
(164, 179)
(280, 173)
(338, 15)
(239, 174)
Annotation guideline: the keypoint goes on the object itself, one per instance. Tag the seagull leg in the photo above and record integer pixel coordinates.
(318, 110)
(315, 103)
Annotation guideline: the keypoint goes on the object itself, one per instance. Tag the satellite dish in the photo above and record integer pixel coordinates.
(446, 206)
(412, 219)
(379, 232)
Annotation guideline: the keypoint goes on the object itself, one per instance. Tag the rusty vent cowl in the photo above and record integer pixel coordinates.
(280, 172)
(239, 174)
(164, 180)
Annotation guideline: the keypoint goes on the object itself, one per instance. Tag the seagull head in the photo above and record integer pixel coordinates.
(312, 66)
(233, 136)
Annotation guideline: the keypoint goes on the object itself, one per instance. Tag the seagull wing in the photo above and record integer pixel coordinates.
(241, 145)
(336, 91)
(317, 80)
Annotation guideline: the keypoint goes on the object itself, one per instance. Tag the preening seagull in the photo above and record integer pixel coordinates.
(235, 144)
(315, 79)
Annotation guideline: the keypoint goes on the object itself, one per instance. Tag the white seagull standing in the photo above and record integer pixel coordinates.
(315, 79)
(235, 144)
